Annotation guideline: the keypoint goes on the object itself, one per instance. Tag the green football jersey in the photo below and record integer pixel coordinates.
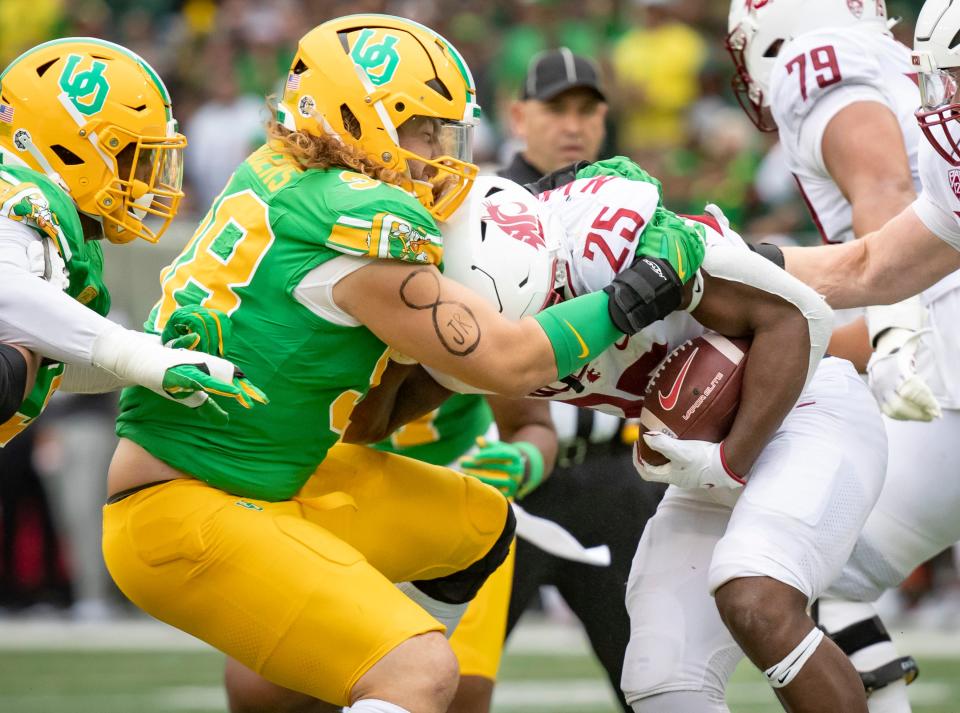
(444, 434)
(30, 198)
(273, 224)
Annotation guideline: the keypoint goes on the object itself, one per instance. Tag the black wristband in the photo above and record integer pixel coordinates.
(771, 252)
(13, 381)
(645, 292)
(555, 179)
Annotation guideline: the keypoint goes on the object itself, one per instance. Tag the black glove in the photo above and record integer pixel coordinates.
(645, 292)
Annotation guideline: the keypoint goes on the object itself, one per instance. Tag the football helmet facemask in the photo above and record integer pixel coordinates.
(936, 57)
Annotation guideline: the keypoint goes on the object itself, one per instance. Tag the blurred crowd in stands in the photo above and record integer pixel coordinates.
(666, 75)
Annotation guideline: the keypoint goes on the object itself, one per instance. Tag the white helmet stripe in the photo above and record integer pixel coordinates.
(81, 121)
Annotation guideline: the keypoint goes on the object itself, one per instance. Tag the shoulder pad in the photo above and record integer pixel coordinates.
(366, 217)
(815, 64)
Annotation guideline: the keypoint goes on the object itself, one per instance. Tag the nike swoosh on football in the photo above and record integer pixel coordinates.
(670, 400)
(583, 345)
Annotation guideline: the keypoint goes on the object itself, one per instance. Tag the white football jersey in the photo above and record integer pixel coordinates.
(938, 204)
(815, 76)
(602, 217)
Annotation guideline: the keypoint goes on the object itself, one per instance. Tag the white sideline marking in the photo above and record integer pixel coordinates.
(546, 694)
(533, 636)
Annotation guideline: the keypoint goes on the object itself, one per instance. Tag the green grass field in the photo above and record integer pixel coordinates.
(187, 680)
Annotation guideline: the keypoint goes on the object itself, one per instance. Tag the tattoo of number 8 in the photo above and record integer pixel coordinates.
(455, 324)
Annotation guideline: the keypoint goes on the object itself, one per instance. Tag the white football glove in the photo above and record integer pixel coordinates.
(693, 464)
(45, 262)
(901, 392)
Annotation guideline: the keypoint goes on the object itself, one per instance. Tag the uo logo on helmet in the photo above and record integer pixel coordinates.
(378, 61)
(87, 89)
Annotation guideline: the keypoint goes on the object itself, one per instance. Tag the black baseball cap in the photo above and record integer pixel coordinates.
(555, 71)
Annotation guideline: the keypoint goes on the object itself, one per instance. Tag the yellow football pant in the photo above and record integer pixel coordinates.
(301, 591)
(478, 639)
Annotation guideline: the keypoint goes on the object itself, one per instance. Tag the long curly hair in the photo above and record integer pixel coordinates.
(311, 151)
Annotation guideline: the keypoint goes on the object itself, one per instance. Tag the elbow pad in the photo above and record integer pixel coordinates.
(560, 177)
(737, 265)
(13, 381)
(771, 252)
(645, 292)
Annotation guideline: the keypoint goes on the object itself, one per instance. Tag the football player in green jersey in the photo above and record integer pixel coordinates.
(88, 149)
(328, 568)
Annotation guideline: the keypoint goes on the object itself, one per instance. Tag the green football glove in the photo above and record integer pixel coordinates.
(201, 329)
(515, 469)
(623, 167)
(679, 241)
(198, 329)
(193, 385)
(668, 237)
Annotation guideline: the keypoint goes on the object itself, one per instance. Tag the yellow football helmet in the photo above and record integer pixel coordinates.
(360, 77)
(96, 119)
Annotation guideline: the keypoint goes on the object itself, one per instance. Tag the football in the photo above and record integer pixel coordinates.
(694, 393)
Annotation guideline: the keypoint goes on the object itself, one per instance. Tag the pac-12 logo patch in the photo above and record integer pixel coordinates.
(954, 176)
(306, 105)
(22, 139)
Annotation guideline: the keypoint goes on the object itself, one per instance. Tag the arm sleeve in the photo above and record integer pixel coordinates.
(748, 268)
(38, 316)
(89, 379)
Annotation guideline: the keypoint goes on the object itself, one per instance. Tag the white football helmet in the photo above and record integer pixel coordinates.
(503, 245)
(759, 28)
(936, 56)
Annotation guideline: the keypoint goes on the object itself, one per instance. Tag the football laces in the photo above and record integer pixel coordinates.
(663, 364)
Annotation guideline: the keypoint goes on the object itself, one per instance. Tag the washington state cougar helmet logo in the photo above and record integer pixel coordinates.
(521, 225)
(954, 176)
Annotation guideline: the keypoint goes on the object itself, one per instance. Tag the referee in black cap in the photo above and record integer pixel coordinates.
(560, 115)
(594, 492)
